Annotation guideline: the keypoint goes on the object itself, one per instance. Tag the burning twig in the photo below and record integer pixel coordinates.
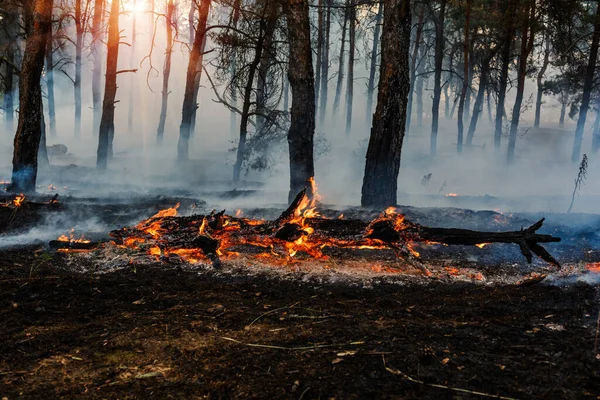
(579, 181)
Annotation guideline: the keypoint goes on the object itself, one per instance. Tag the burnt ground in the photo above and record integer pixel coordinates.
(160, 330)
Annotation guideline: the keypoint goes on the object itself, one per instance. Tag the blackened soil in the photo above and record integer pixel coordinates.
(160, 332)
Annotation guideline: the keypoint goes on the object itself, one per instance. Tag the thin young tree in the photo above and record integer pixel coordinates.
(340, 74)
(97, 55)
(437, 79)
(373, 66)
(465, 85)
(351, 58)
(170, 23)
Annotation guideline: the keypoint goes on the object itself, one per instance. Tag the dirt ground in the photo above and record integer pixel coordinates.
(156, 331)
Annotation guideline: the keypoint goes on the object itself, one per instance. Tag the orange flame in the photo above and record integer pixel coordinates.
(18, 201)
(481, 245)
(593, 267)
(451, 195)
(72, 239)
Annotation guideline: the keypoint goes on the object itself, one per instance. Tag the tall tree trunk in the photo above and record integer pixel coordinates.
(596, 131)
(188, 110)
(235, 16)
(413, 68)
(267, 57)
(107, 121)
(488, 96)
(320, 45)
(380, 183)
(9, 40)
(97, 27)
(503, 80)
(43, 151)
(132, 85)
(191, 24)
(437, 84)
(587, 88)
(374, 51)
(340, 77)
(50, 87)
(540, 76)
(350, 78)
(478, 106)
(286, 94)
(564, 100)
(325, 65)
(197, 86)
(467, 108)
(527, 35)
(465, 85)
(302, 125)
(419, 92)
(28, 136)
(78, 49)
(170, 22)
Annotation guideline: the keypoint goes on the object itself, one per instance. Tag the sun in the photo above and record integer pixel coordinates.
(135, 6)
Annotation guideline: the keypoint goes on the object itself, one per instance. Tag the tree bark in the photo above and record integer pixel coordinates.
(351, 57)
(301, 77)
(43, 151)
(340, 77)
(28, 135)
(318, 64)
(188, 110)
(78, 49)
(483, 86)
(325, 66)
(413, 69)
(132, 85)
(374, 51)
(380, 183)
(527, 35)
(170, 22)
(50, 87)
(564, 100)
(465, 85)
(503, 81)
(267, 56)
(540, 88)
(587, 88)
(437, 84)
(107, 121)
(97, 23)
(596, 131)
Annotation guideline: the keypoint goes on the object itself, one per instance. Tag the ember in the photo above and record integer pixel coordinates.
(18, 201)
(451, 195)
(593, 267)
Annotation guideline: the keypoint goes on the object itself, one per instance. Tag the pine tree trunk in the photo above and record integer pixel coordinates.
(380, 183)
(437, 84)
(132, 84)
(564, 100)
(419, 92)
(374, 51)
(170, 22)
(340, 77)
(351, 57)
(50, 87)
(188, 110)
(465, 85)
(478, 106)
(527, 35)
(413, 69)
(43, 151)
(540, 76)
(78, 50)
(97, 24)
(467, 108)
(596, 131)
(267, 57)
(318, 64)
(325, 66)
(28, 135)
(301, 77)
(107, 121)
(588, 85)
(503, 80)
(488, 96)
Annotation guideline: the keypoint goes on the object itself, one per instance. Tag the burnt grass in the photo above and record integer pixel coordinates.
(157, 331)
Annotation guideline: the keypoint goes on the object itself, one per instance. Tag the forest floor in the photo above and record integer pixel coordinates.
(156, 330)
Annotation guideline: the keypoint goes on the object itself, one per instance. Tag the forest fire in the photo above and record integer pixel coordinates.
(18, 201)
(593, 267)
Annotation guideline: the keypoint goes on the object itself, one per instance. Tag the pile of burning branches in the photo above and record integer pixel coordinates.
(300, 232)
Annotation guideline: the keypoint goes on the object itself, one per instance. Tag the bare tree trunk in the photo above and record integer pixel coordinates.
(50, 87)
(488, 96)
(564, 100)
(540, 88)
(197, 86)
(107, 121)
(318, 65)
(97, 23)
(437, 86)
(9, 43)
(419, 92)
(28, 136)
(467, 108)
(483, 87)
(340, 77)
(170, 22)
(465, 85)
(188, 109)
(325, 65)
(43, 151)
(191, 24)
(503, 81)
(132, 85)
(587, 88)
(350, 79)
(527, 35)
(596, 131)
(267, 57)
(413, 68)
(374, 51)
(380, 183)
(301, 77)
(78, 48)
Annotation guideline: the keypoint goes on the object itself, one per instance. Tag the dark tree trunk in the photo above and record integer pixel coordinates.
(170, 22)
(301, 77)
(9, 40)
(78, 48)
(43, 151)
(488, 99)
(107, 121)
(132, 85)
(465, 85)
(413, 69)
(596, 131)
(588, 85)
(564, 100)
(527, 35)
(97, 27)
(188, 110)
(318, 64)
(351, 57)
(503, 80)
(267, 57)
(437, 84)
(373, 67)
(380, 183)
(478, 106)
(28, 136)
(540, 88)
(467, 108)
(340, 77)
(50, 87)
(419, 92)
(325, 66)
